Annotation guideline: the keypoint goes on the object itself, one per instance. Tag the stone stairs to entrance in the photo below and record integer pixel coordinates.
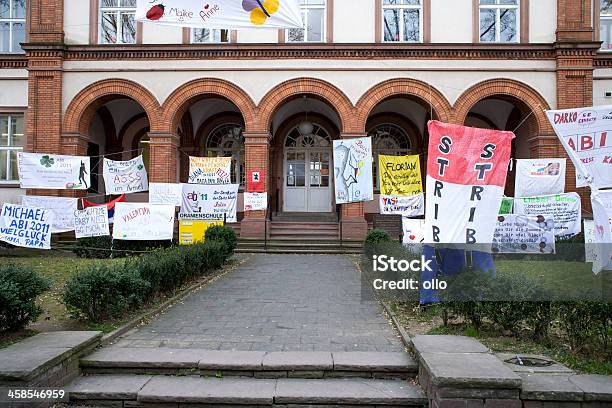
(163, 377)
(296, 246)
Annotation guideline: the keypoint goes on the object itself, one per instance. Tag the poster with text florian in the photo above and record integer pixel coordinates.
(466, 175)
(225, 14)
(584, 134)
(49, 171)
(210, 170)
(401, 187)
(353, 170)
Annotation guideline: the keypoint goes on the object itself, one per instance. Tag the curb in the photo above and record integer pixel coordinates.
(406, 338)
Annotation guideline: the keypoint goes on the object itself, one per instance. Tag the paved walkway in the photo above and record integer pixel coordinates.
(275, 303)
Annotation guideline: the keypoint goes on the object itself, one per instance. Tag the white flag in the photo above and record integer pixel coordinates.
(539, 177)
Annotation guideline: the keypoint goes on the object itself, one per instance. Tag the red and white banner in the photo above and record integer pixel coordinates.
(466, 175)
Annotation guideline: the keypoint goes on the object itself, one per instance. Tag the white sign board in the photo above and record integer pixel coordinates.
(124, 177)
(91, 222)
(26, 226)
(143, 222)
(48, 171)
(205, 199)
(62, 208)
(165, 193)
(524, 234)
(601, 202)
(255, 201)
(353, 170)
(539, 177)
(565, 209)
(407, 206)
(210, 170)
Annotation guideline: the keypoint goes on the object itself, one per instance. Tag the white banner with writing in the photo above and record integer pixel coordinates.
(601, 202)
(26, 227)
(91, 222)
(353, 170)
(539, 177)
(524, 234)
(565, 209)
(255, 201)
(62, 208)
(205, 199)
(144, 222)
(210, 170)
(165, 193)
(407, 206)
(50, 171)
(124, 177)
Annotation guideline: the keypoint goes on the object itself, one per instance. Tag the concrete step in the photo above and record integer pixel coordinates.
(259, 364)
(245, 242)
(154, 391)
(297, 251)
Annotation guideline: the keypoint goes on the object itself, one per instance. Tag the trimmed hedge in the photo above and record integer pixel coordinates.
(223, 234)
(104, 247)
(377, 236)
(19, 288)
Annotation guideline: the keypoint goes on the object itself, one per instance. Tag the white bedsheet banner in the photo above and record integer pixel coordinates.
(26, 227)
(353, 170)
(524, 234)
(165, 193)
(539, 177)
(565, 209)
(49, 171)
(63, 209)
(91, 222)
(144, 222)
(204, 200)
(602, 215)
(124, 177)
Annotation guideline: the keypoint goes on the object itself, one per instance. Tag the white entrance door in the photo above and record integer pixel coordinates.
(307, 180)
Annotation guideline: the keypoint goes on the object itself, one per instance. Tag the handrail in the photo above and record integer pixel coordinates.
(340, 225)
(268, 212)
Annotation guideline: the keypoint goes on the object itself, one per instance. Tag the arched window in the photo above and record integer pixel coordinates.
(308, 156)
(390, 140)
(301, 137)
(227, 141)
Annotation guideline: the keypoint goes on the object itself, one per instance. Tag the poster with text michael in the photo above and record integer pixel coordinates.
(466, 175)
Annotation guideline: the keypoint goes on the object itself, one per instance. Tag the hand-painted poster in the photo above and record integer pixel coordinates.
(353, 170)
(565, 209)
(255, 201)
(256, 181)
(110, 206)
(586, 134)
(165, 193)
(124, 177)
(200, 201)
(401, 187)
(601, 202)
(466, 175)
(144, 222)
(539, 177)
(413, 234)
(193, 231)
(410, 206)
(524, 234)
(48, 171)
(26, 227)
(91, 222)
(507, 206)
(62, 208)
(210, 170)
(225, 14)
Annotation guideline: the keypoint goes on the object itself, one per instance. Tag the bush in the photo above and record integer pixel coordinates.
(377, 236)
(105, 247)
(19, 288)
(223, 234)
(584, 321)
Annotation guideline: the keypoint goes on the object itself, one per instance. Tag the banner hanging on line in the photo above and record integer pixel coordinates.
(210, 170)
(466, 175)
(63, 209)
(410, 206)
(26, 227)
(586, 134)
(144, 222)
(91, 222)
(226, 14)
(110, 206)
(565, 209)
(57, 172)
(401, 187)
(200, 201)
(255, 201)
(353, 170)
(165, 193)
(539, 177)
(601, 202)
(124, 177)
(524, 234)
(413, 234)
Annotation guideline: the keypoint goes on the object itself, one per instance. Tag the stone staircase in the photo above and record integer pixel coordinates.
(297, 246)
(163, 377)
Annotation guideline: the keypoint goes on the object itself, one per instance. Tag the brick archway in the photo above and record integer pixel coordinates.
(403, 87)
(84, 105)
(287, 90)
(177, 103)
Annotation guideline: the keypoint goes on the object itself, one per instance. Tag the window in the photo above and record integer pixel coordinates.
(227, 141)
(499, 21)
(12, 25)
(11, 142)
(390, 140)
(118, 21)
(605, 24)
(314, 17)
(402, 20)
(308, 156)
(207, 36)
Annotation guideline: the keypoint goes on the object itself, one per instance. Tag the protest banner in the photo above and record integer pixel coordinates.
(353, 170)
(539, 177)
(410, 206)
(61, 207)
(192, 231)
(565, 209)
(601, 202)
(91, 222)
(255, 201)
(47, 171)
(589, 241)
(110, 206)
(413, 234)
(507, 206)
(143, 222)
(466, 175)
(401, 187)
(584, 134)
(26, 227)
(524, 234)
(227, 14)
(256, 181)
(165, 193)
(124, 177)
(210, 170)
(199, 199)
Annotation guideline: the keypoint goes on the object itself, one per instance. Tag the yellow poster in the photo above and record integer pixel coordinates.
(192, 231)
(400, 176)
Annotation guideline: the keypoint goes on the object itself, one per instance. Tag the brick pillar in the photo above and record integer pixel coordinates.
(164, 156)
(257, 150)
(354, 224)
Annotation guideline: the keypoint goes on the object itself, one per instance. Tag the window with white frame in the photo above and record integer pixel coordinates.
(402, 20)
(388, 139)
(12, 25)
(227, 141)
(208, 36)
(499, 21)
(117, 21)
(605, 24)
(11, 142)
(314, 18)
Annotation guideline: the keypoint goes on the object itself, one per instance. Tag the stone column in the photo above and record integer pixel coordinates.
(257, 150)
(354, 225)
(164, 157)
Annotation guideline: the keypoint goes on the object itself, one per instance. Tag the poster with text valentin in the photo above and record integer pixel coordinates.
(125, 177)
(353, 170)
(413, 234)
(166, 193)
(210, 170)
(26, 227)
(466, 175)
(524, 234)
(539, 177)
(586, 134)
(401, 188)
(200, 201)
(143, 222)
(565, 209)
(91, 222)
(48, 171)
(255, 201)
(62, 208)
(601, 202)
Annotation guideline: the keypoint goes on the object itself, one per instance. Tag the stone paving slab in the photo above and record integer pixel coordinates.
(380, 362)
(107, 387)
(231, 360)
(555, 368)
(142, 358)
(298, 361)
(595, 387)
(447, 344)
(548, 387)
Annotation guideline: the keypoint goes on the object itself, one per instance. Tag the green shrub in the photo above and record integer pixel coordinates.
(223, 234)
(19, 288)
(105, 247)
(377, 236)
(585, 320)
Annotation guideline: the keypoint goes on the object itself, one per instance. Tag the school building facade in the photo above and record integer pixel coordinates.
(82, 77)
